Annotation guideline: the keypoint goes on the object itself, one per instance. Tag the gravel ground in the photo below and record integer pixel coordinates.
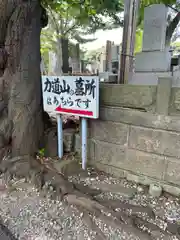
(31, 215)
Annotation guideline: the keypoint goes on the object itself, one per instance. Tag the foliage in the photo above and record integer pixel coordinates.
(85, 17)
(138, 41)
(88, 12)
(176, 48)
(74, 20)
(91, 7)
(41, 152)
(69, 16)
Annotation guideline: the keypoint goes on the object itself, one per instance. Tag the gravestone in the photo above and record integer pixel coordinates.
(55, 66)
(155, 24)
(155, 59)
(52, 62)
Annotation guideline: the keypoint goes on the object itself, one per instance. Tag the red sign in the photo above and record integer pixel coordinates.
(73, 111)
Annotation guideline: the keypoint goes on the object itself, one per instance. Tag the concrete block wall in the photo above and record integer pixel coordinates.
(138, 134)
(126, 142)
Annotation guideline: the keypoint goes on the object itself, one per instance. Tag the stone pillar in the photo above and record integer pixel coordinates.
(108, 56)
(163, 95)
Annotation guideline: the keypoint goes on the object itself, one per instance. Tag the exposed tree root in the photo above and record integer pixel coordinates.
(103, 213)
(86, 190)
(116, 204)
(84, 199)
(141, 223)
(87, 219)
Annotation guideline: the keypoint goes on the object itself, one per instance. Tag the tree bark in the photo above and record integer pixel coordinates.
(21, 122)
(171, 28)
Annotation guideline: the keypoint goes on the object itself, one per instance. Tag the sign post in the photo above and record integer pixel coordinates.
(72, 95)
(60, 135)
(84, 142)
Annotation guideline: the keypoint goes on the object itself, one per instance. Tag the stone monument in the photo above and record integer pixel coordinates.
(155, 59)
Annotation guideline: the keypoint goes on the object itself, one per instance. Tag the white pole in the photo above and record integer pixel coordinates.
(84, 142)
(60, 135)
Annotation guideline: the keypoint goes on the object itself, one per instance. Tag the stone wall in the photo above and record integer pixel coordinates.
(138, 133)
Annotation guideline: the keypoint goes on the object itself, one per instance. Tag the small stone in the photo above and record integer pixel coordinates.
(140, 189)
(155, 190)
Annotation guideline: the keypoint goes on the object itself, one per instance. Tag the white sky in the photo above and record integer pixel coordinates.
(114, 35)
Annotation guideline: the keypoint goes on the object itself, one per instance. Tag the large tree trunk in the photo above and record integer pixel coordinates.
(21, 122)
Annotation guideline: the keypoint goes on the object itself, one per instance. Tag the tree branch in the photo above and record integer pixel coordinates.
(172, 26)
(67, 17)
(54, 21)
(70, 29)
